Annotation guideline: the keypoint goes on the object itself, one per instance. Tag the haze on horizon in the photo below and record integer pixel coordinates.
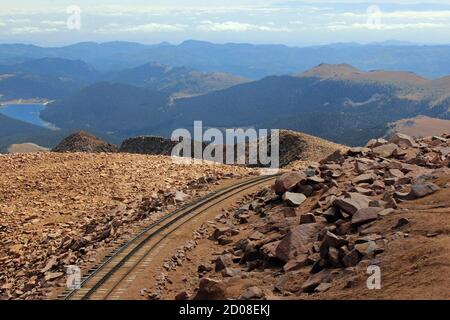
(294, 22)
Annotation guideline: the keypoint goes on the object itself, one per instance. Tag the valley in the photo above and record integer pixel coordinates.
(153, 98)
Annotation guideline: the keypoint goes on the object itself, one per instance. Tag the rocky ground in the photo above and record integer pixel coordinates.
(327, 232)
(64, 209)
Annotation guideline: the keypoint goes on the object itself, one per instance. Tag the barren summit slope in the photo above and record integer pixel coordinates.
(348, 72)
(61, 209)
(421, 126)
(299, 149)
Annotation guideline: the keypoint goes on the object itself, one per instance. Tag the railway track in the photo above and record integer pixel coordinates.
(113, 276)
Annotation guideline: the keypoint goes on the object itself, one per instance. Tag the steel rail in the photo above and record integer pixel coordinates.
(177, 215)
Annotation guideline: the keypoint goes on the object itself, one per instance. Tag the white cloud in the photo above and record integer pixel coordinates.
(31, 29)
(17, 20)
(157, 27)
(54, 23)
(180, 10)
(238, 26)
(392, 26)
(425, 15)
(143, 28)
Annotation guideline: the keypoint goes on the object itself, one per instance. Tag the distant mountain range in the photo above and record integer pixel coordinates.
(30, 86)
(75, 70)
(121, 89)
(177, 81)
(56, 78)
(336, 102)
(246, 60)
(112, 108)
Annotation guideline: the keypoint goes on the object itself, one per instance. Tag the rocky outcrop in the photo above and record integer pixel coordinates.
(148, 145)
(154, 145)
(295, 148)
(84, 142)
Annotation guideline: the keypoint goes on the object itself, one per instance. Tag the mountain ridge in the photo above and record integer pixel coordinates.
(355, 105)
(244, 59)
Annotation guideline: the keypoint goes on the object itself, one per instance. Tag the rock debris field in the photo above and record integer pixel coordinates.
(316, 231)
(62, 209)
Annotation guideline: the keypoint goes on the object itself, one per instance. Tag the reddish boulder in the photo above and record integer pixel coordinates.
(297, 241)
(211, 289)
(375, 143)
(353, 203)
(331, 240)
(307, 218)
(351, 259)
(365, 215)
(315, 280)
(364, 178)
(335, 157)
(404, 141)
(288, 181)
(386, 150)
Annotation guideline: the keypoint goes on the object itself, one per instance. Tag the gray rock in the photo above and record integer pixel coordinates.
(294, 199)
(323, 287)
(422, 190)
(252, 293)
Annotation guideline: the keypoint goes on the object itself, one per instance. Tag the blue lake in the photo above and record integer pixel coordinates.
(26, 113)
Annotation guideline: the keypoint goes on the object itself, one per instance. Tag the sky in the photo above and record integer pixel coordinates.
(293, 23)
